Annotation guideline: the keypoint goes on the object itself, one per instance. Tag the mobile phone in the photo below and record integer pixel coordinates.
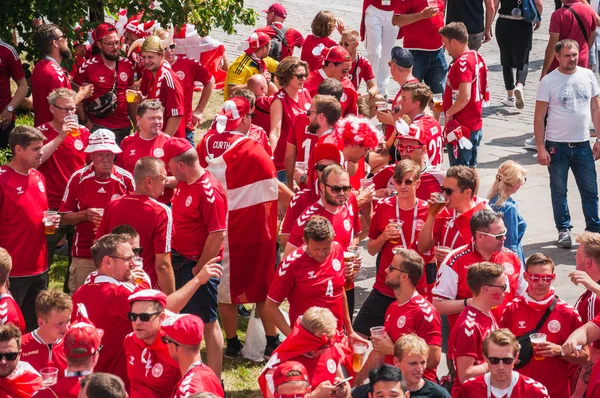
(339, 383)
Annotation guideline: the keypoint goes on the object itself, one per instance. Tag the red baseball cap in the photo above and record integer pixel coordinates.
(149, 295)
(289, 371)
(324, 150)
(332, 54)
(103, 30)
(255, 41)
(184, 328)
(175, 147)
(82, 340)
(277, 9)
(232, 113)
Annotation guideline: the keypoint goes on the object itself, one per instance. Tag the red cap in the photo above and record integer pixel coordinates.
(289, 371)
(255, 41)
(82, 340)
(332, 54)
(277, 9)
(103, 30)
(356, 131)
(149, 295)
(175, 147)
(324, 150)
(184, 328)
(232, 113)
(410, 132)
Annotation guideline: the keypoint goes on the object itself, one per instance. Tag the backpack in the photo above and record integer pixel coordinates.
(277, 42)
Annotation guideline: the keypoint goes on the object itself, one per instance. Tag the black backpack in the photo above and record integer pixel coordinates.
(277, 42)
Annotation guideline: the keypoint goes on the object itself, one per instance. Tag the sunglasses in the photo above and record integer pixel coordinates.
(310, 112)
(10, 356)
(337, 189)
(499, 236)
(496, 361)
(544, 277)
(65, 109)
(166, 340)
(408, 148)
(447, 191)
(347, 43)
(390, 268)
(171, 46)
(301, 76)
(503, 287)
(408, 182)
(138, 251)
(144, 317)
(321, 167)
(250, 115)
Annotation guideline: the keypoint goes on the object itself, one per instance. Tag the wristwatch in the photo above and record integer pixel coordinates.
(10, 108)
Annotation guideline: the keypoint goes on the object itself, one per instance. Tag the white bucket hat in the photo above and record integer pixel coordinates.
(102, 140)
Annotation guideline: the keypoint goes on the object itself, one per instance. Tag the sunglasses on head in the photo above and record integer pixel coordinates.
(548, 278)
(338, 189)
(10, 356)
(496, 361)
(138, 251)
(408, 148)
(144, 317)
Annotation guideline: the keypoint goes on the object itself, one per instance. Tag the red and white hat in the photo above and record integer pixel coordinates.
(353, 131)
(277, 9)
(82, 340)
(232, 113)
(138, 28)
(332, 54)
(454, 134)
(410, 132)
(289, 371)
(103, 30)
(255, 41)
(149, 295)
(102, 140)
(175, 147)
(186, 329)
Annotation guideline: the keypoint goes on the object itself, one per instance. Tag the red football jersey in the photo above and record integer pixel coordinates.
(189, 71)
(199, 209)
(85, 191)
(451, 280)
(10, 68)
(301, 138)
(588, 307)
(314, 61)
(466, 68)
(298, 204)
(360, 71)
(41, 355)
(292, 37)
(259, 135)
(452, 229)
(349, 97)
(290, 109)
(466, 338)
(166, 87)
(262, 112)
(521, 318)
(67, 387)
(22, 205)
(422, 34)
(199, 378)
(151, 371)
(413, 220)
(66, 160)
(151, 219)
(520, 387)
(135, 147)
(96, 72)
(417, 316)
(593, 388)
(307, 283)
(45, 78)
(99, 293)
(346, 222)
(214, 145)
(431, 180)
(431, 128)
(10, 312)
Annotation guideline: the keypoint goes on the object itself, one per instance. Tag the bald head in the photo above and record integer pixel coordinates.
(258, 85)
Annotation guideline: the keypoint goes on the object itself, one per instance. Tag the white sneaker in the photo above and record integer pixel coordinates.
(530, 143)
(518, 93)
(509, 101)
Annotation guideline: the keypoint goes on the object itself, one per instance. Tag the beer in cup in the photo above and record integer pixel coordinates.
(382, 106)
(131, 96)
(359, 353)
(366, 182)
(101, 213)
(50, 222)
(537, 338)
(74, 132)
(139, 263)
(437, 102)
(398, 223)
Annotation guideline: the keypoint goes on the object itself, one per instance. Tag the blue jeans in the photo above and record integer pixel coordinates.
(189, 135)
(430, 67)
(466, 157)
(281, 176)
(581, 162)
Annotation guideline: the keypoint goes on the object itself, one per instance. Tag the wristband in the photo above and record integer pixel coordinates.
(465, 301)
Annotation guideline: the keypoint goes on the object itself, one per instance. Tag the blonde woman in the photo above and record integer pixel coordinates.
(509, 179)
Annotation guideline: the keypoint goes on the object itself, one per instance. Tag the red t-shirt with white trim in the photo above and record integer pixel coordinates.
(524, 387)
(349, 96)
(190, 71)
(47, 76)
(301, 138)
(10, 68)
(360, 71)
(310, 42)
(10, 312)
(200, 378)
(40, 355)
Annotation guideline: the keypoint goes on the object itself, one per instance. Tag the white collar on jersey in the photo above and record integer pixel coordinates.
(488, 382)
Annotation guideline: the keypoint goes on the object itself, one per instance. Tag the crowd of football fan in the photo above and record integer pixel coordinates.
(295, 171)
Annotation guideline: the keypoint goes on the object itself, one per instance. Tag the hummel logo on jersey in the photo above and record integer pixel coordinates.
(132, 152)
(101, 78)
(101, 190)
(19, 190)
(521, 324)
(311, 275)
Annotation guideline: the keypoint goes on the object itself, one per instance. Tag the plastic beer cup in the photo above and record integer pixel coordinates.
(359, 352)
(74, 132)
(398, 223)
(49, 376)
(49, 222)
(537, 338)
